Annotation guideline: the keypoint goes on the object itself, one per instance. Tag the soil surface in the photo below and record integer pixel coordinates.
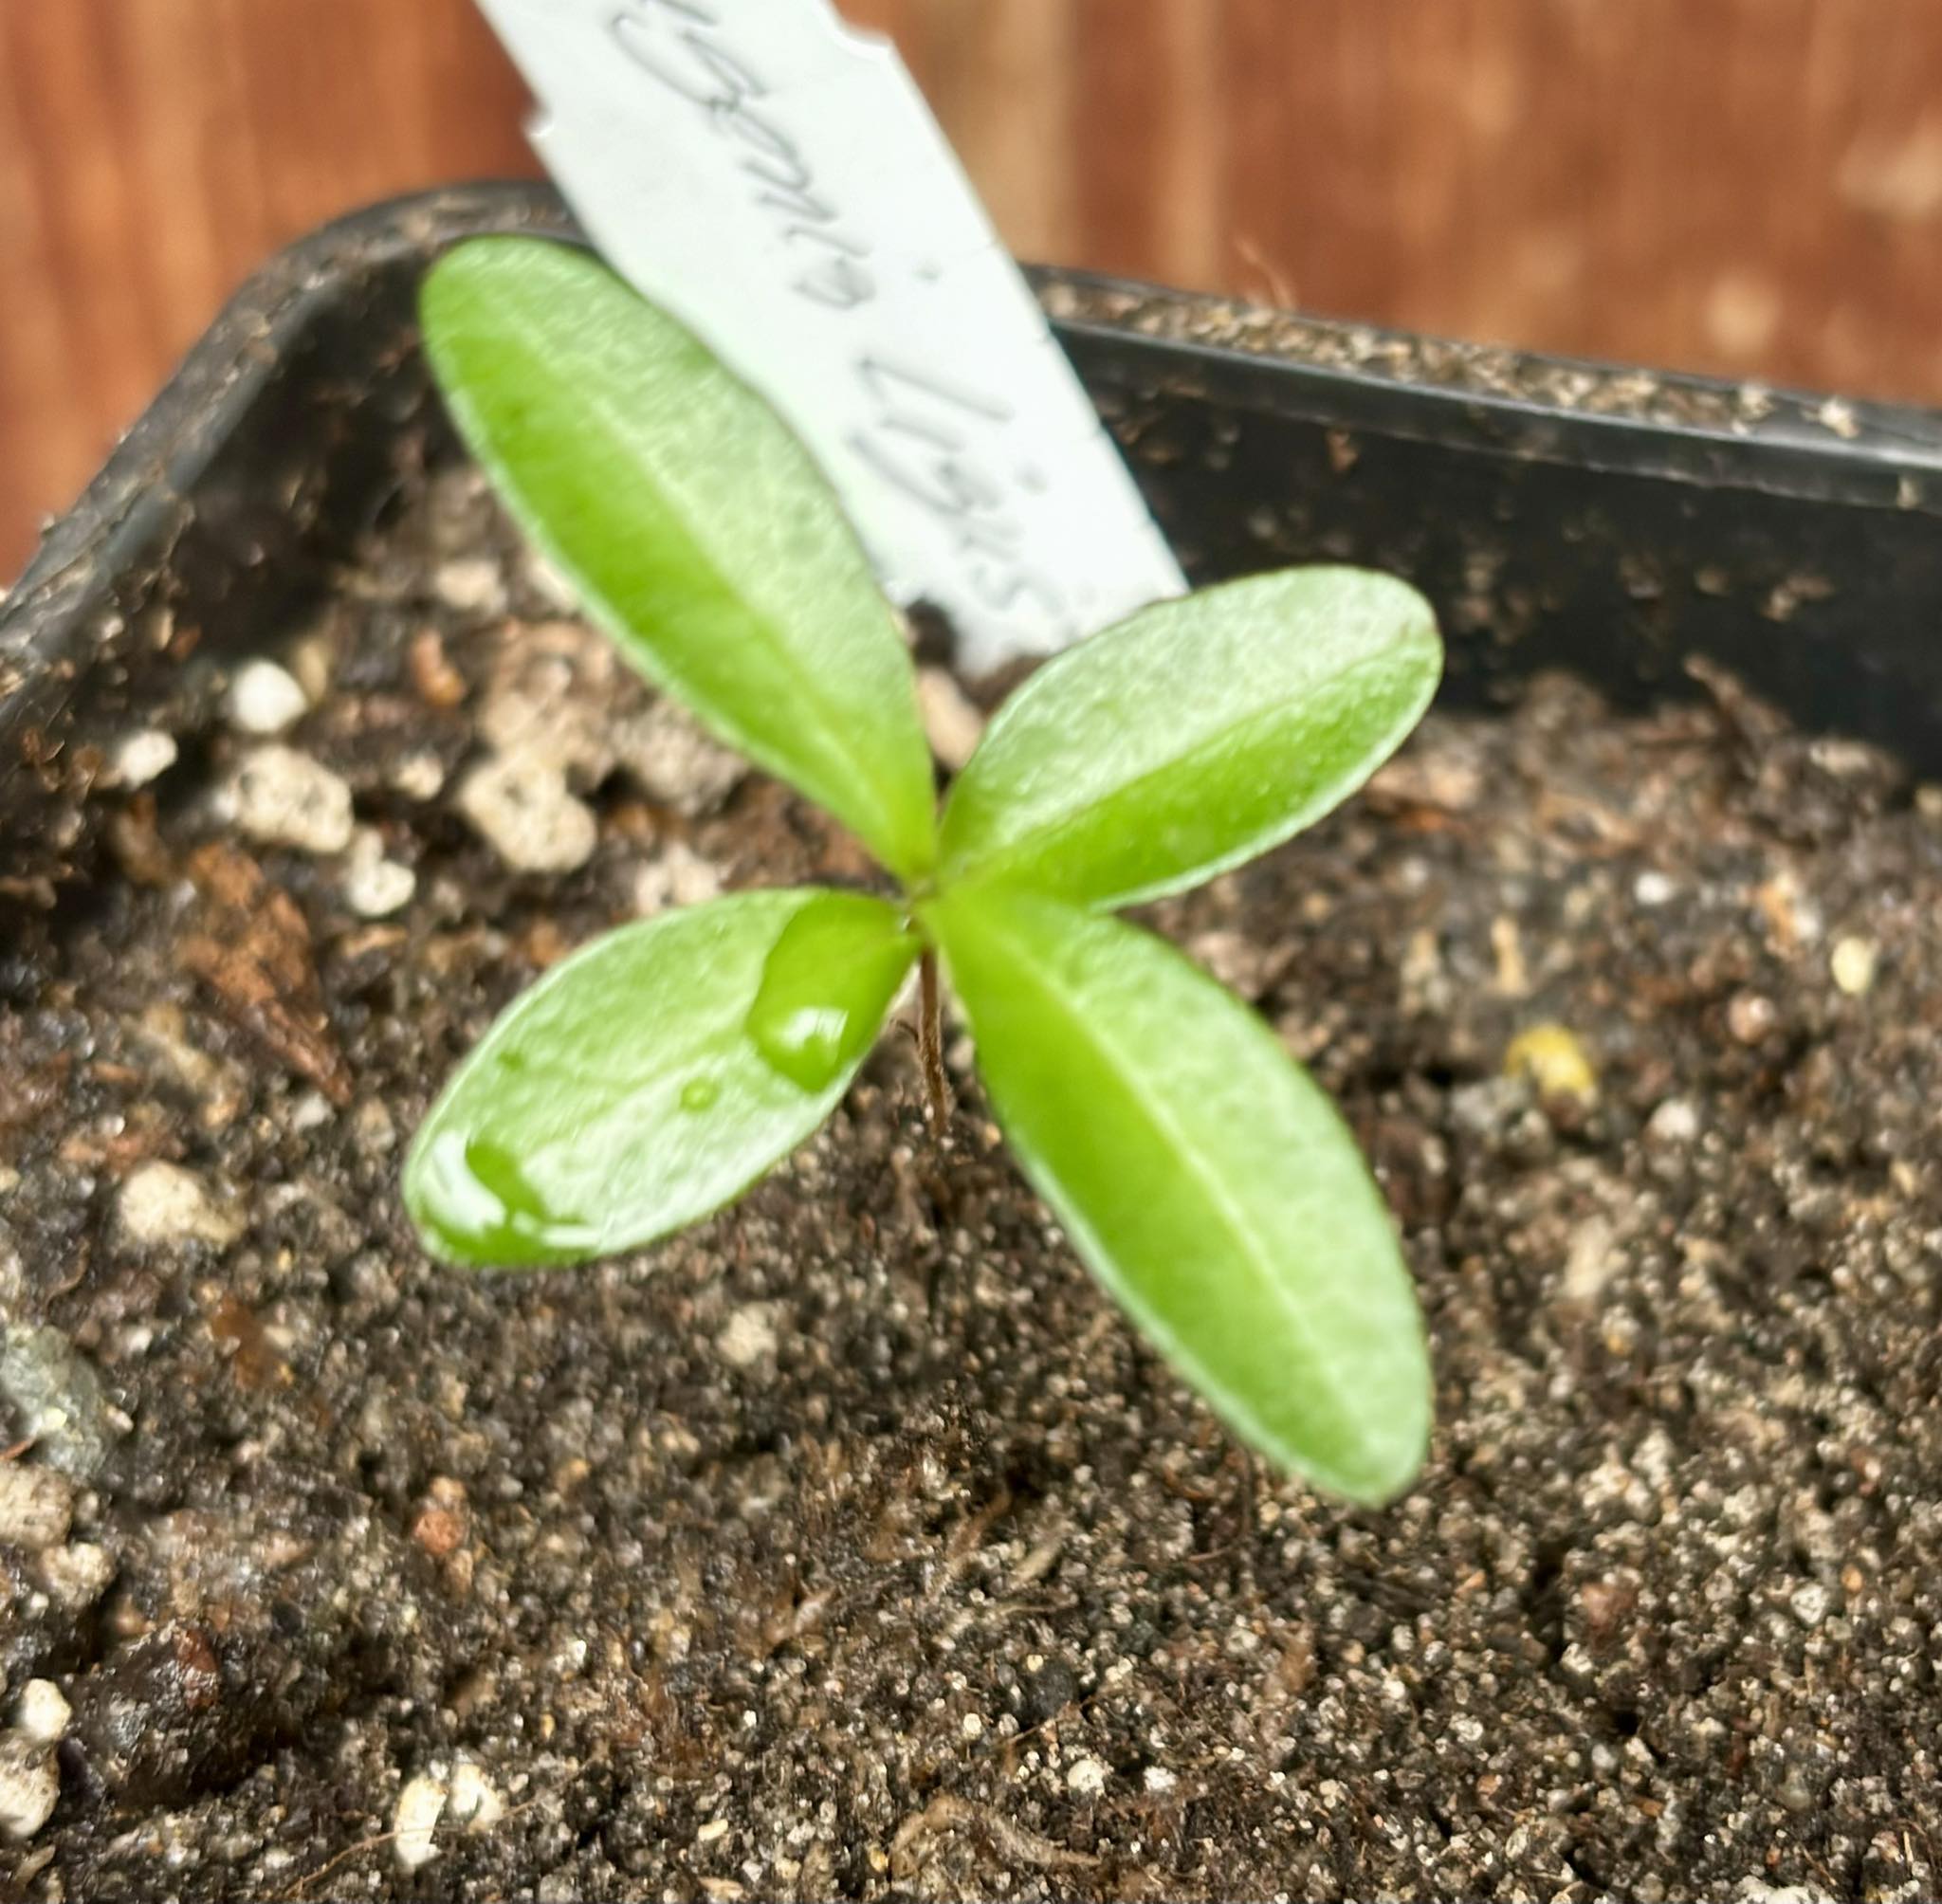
(852, 1545)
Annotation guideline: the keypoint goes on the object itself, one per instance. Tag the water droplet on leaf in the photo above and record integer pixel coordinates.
(826, 984)
(808, 1044)
(474, 1196)
(700, 1093)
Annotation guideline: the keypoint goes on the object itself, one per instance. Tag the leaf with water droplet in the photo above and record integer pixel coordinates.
(624, 1096)
(485, 1200)
(827, 985)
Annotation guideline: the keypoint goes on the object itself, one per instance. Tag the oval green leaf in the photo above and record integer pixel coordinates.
(625, 1094)
(695, 526)
(1203, 1178)
(1193, 736)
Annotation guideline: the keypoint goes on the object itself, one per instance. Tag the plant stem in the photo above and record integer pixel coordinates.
(931, 1044)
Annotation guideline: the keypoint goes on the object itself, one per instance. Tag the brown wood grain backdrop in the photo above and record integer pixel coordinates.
(1749, 186)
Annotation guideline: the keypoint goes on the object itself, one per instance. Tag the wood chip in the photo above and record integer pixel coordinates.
(249, 944)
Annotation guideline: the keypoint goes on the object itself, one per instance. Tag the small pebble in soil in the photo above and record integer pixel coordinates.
(1236, 959)
(551, 699)
(1809, 1603)
(283, 798)
(1853, 964)
(525, 813)
(1674, 1122)
(1512, 979)
(58, 1400)
(750, 1335)
(29, 1787)
(76, 1577)
(420, 1805)
(419, 776)
(142, 756)
(475, 1802)
(36, 1507)
(1790, 916)
(29, 1773)
(312, 657)
(1553, 1057)
(1750, 1016)
(461, 1800)
(676, 876)
(953, 723)
(1592, 1261)
(439, 683)
(376, 886)
(163, 1203)
(470, 584)
(1086, 1778)
(673, 762)
(264, 699)
(42, 1712)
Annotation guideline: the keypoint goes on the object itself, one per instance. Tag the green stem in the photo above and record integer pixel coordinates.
(930, 1043)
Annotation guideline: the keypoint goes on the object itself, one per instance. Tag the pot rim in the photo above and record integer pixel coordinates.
(1573, 409)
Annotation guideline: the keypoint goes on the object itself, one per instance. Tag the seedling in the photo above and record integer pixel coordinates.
(1201, 1175)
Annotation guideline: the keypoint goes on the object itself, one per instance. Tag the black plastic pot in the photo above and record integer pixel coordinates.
(1614, 522)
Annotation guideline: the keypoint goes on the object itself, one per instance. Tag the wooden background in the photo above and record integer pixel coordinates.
(1749, 186)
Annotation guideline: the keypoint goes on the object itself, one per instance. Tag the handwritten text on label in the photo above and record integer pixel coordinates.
(774, 178)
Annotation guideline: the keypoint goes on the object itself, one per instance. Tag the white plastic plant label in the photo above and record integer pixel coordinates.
(774, 178)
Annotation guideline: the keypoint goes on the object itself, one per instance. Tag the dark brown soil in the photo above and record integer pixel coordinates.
(852, 1545)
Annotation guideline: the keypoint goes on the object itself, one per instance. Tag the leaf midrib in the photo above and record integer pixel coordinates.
(1233, 1215)
(1026, 848)
(829, 732)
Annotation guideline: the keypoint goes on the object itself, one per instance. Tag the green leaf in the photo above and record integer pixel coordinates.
(1193, 736)
(695, 526)
(1203, 1179)
(825, 986)
(627, 1093)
